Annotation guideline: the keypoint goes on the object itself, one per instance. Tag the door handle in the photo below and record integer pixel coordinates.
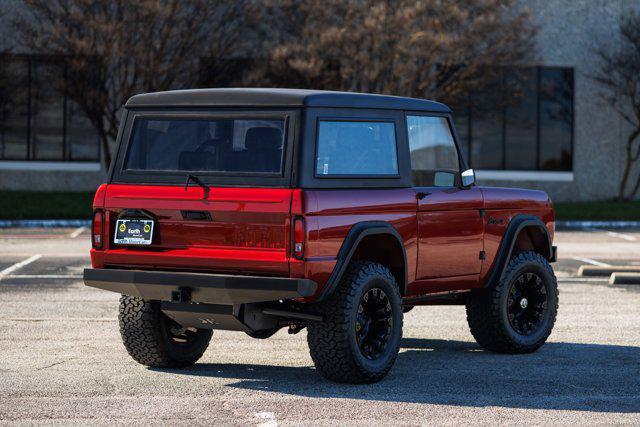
(422, 194)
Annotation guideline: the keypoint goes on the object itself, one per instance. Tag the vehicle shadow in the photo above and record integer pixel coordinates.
(560, 376)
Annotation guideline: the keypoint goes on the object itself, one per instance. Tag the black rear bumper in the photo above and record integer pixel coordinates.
(198, 287)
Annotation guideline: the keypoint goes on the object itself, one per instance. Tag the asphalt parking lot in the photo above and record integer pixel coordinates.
(61, 360)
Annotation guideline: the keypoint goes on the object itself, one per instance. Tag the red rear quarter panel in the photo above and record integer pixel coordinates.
(330, 214)
(501, 205)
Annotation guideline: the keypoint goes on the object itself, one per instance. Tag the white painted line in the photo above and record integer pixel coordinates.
(621, 236)
(77, 232)
(19, 265)
(613, 234)
(44, 276)
(267, 419)
(55, 319)
(591, 261)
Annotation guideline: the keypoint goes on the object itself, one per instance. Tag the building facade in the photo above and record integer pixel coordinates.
(570, 33)
(557, 135)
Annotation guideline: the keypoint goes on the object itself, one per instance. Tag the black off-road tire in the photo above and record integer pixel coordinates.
(333, 343)
(147, 335)
(487, 309)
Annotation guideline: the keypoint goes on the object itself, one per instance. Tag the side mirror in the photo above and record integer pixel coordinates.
(468, 178)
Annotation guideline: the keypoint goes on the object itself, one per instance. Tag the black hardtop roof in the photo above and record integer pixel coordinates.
(252, 97)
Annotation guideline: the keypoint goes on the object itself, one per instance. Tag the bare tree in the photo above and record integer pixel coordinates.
(619, 75)
(117, 48)
(427, 48)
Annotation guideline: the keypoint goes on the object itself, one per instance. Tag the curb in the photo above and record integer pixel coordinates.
(624, 279)
(44, 223)
(584, 225)
(597, 271)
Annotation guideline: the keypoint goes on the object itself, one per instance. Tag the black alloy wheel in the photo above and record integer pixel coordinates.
(516, 315)
(526, 303)
(374, 323)
(359, 338)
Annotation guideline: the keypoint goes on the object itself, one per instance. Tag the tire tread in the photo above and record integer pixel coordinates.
(139, 322)
(329, 340)
(483, 310)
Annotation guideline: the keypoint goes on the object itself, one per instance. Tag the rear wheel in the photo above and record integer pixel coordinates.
(359, 339)
(153, 339)
(518, 314)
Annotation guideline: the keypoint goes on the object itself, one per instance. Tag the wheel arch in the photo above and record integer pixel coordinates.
(360, 244)
(524, 233)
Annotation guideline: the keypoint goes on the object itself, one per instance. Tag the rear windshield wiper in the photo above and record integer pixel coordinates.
(196, 180)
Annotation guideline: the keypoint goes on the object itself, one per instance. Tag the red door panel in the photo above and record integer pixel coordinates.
(449, 243)
(450, 232)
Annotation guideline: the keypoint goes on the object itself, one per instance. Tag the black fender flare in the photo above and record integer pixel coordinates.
(356, 234)
(516, 225)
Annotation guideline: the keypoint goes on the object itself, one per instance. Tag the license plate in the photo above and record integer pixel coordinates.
(133, 232)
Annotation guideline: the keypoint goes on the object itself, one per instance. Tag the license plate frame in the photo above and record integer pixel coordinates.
(138, 232)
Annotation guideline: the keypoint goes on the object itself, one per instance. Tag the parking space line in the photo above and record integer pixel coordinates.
(59, 319)
(621, 236)
(32, 236)
(613, 234)
(266, 419)
(45, 276)
(19, 265)
(591, 261)
(77, 232)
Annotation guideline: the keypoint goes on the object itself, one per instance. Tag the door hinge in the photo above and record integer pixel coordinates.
(483, 255)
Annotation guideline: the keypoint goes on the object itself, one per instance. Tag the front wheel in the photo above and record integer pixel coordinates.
(518, 314)
(359, 339)
(155, 340)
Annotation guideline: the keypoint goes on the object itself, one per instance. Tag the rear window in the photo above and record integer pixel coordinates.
(211, 145)
(356, 148)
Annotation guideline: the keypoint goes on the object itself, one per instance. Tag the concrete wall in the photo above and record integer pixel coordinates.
(50, 180)
(570, 32)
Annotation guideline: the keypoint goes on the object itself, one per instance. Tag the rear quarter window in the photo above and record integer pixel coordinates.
(356, 148)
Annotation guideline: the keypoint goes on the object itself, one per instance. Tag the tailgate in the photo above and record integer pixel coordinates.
(221, 229)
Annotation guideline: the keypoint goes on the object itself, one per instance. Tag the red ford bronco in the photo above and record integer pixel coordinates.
(257, 209)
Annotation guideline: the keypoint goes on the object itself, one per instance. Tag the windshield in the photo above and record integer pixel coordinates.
(206, 145)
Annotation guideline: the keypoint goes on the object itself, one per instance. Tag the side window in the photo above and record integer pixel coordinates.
(356, 148)
(434, 157)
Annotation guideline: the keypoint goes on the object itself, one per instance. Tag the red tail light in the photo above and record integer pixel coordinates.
(97, 229)
(298, 237)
